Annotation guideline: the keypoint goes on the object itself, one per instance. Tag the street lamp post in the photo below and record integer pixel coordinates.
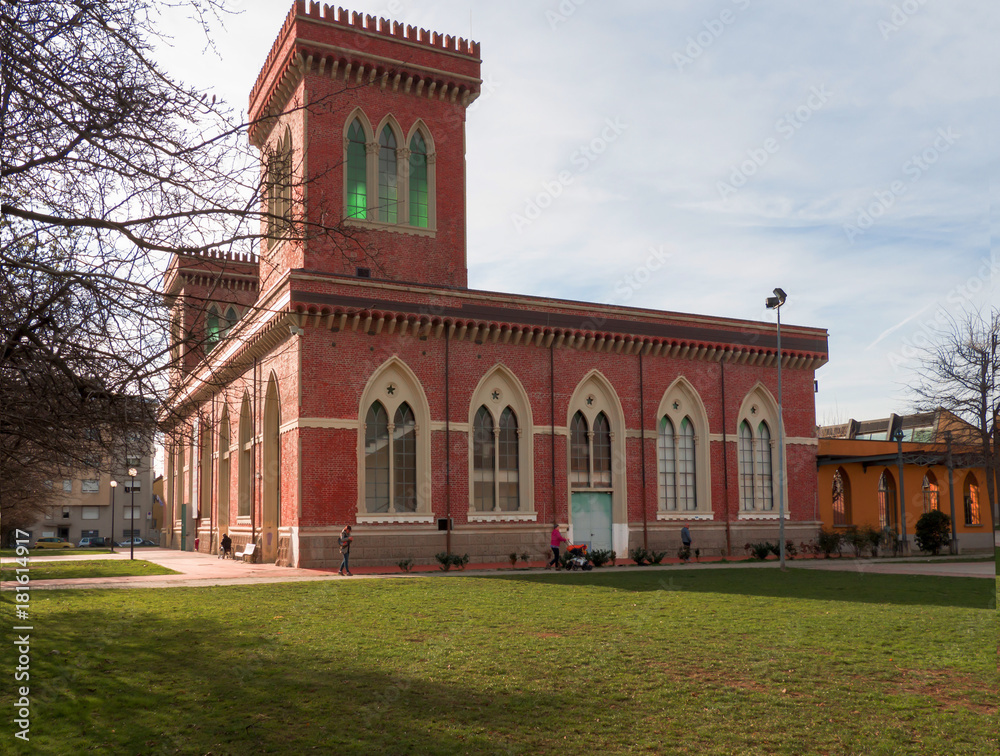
(774, 303)
(114, 485)
(132, 472)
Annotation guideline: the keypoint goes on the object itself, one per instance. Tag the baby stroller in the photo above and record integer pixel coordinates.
(577, 558)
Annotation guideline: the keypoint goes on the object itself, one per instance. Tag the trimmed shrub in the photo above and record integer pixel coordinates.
(828, 541)
(933, 531)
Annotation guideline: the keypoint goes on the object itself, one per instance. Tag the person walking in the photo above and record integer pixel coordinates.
(686, 541)
(227, 546)
(345, 548)
(557, 540)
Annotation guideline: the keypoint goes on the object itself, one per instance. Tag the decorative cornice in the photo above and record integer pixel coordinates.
(293, 55)
(376, 321)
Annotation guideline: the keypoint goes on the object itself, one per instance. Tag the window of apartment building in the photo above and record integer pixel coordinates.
(90, 486)
(90, 513)
(65, 513)
(68, 486)
(131, 513)
(133, 485)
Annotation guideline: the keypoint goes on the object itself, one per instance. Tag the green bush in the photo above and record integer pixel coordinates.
(684, 553)
(760, 550)
(444, 559)
(828, 541)
(600, 557)
(405, 564)
(639, 555)
(655, 557)
(933, 531)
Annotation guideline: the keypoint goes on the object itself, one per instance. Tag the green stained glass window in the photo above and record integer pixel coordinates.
(357, 182)
(212, 329)
(388, 193)
(418, 181)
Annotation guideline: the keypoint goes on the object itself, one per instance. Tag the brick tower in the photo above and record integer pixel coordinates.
(361, 126)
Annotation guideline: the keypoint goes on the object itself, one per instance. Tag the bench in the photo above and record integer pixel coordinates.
(247, 553)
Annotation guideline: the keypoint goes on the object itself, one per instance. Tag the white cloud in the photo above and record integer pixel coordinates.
(657, 183)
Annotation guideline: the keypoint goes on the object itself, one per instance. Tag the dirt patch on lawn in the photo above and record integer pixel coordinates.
(947, 688)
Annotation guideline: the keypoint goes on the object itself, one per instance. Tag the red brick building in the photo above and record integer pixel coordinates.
(357, 379)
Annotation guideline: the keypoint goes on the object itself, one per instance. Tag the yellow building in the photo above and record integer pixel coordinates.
(866, 468)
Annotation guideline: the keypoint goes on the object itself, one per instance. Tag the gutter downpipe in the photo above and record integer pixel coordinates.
(642, 452)
(725, 455)
(447, 443)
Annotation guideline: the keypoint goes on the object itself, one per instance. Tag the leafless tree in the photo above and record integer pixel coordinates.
(109, 167)
(959, 373)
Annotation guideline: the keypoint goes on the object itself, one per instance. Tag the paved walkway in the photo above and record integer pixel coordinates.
(195, 570)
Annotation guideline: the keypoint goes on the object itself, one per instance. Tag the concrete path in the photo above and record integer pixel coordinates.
(196, 570)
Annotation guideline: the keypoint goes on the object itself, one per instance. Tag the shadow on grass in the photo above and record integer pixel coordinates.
(815, 585)
(176, 679)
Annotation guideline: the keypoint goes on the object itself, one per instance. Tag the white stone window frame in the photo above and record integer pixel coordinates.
(689, 405)
(759, 406)
(510, 393)
(595, 387)
(372, 135)
(406, 387)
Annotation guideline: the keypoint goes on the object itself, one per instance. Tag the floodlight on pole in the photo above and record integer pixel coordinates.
(774, 303)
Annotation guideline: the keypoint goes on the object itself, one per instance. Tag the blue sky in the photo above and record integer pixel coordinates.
(691, 156)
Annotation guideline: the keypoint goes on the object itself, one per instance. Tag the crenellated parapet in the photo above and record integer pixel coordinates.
(239, 271)
(362, 49)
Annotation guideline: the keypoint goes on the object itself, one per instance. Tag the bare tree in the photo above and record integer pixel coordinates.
(959, 374)
(109, 168)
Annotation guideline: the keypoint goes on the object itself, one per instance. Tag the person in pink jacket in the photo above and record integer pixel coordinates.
(557, 540)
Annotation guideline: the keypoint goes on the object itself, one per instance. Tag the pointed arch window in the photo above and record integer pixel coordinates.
(229, 321)
(279, 187)
(676, 451)
(886, 500)
(930, 490)
(377, 459)
(388, 194)
(404, 462)
(590, 452)
(419, 193)
(483, 461)
(667, 453)
(213, 329)
(841, 491)
(357, 171)
(970, 491)
(496, 462)
(246, 459)
(579, 457)
(755, 471)
(390, 460)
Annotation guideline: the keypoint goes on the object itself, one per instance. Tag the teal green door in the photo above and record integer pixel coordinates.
(591, 518)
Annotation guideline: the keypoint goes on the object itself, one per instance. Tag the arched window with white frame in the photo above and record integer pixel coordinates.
(388, 177)
(394, 458)
(500, 449)
(356, 171)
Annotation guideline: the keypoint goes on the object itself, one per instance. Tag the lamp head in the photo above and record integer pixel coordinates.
(132, 472)
(777, 300)
(114, 484)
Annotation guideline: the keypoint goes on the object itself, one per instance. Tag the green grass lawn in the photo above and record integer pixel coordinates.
(730, 661)
(90, 568)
